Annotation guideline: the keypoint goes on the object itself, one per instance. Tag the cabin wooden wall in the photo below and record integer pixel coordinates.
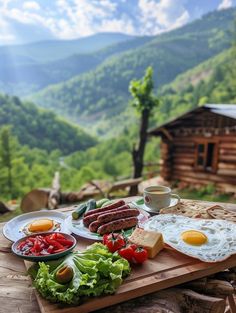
(178, 157)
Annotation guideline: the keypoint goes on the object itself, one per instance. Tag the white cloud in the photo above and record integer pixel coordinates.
(68, 19)
(163, 15)
(82, 17)
(5, 33)
(225, 4)
(31, 5)
(122, 25)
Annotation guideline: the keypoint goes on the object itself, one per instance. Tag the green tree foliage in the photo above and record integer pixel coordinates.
(6, 156)
(213, 81)
(144, 102)
(41, 128)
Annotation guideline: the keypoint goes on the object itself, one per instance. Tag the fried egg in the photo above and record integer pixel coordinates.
(207, 240)
(40, 225)
(194, 237)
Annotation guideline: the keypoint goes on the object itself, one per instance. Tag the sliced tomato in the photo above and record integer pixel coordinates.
(65, 242)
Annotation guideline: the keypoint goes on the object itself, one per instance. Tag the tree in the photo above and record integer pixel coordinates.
(6, 155)
(144, 102)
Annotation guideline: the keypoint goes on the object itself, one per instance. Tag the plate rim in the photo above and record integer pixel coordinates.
(4, 229)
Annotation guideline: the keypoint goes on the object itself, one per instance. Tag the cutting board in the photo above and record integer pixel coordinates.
(168, 269)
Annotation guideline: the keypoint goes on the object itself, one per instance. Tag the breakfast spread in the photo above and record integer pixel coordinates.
(128, 241)
(150, 240)
(207, 240)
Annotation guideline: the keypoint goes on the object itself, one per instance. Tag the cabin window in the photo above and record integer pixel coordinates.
(206, 156)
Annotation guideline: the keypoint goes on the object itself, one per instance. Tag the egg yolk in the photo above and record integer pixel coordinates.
(194, 237)
(40, 225)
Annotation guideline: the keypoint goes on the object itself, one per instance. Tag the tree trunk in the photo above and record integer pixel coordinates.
(138, 153)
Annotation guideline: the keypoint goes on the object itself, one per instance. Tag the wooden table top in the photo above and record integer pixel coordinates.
(16, 292)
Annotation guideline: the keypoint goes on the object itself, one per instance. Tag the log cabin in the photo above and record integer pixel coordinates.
(199, 147)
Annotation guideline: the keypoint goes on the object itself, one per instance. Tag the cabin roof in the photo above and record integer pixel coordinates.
(228, 110)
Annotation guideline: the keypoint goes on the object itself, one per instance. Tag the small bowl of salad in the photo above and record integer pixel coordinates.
(44, 246)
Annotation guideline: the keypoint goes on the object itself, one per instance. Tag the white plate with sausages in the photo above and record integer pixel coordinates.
(77, 226)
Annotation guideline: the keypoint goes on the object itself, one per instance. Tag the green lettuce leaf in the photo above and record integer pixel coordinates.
(96, 272)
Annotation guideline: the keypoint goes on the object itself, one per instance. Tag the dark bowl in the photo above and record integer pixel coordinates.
(43, 257)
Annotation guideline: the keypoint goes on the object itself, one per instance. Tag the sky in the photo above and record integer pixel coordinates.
(23, 21)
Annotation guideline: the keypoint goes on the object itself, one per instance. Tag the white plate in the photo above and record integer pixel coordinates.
(12, 230)
(77, 227)
(173, 203)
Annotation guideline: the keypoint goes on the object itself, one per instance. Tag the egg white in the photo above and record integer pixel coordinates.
(221, 235)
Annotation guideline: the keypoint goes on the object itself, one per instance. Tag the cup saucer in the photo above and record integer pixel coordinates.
(140, 204)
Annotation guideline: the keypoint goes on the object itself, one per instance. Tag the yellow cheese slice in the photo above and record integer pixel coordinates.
(152, 241)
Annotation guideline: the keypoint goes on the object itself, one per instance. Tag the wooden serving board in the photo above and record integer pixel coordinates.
(168, 269)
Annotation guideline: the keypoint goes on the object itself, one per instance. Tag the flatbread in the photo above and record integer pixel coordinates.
(218, 212)
(188, 208)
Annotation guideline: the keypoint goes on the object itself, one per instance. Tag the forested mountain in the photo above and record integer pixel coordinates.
(40, 128)
(17, 77)
(213, 81)
(51, 50)
(103, 92)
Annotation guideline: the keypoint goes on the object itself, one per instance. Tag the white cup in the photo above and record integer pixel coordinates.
(158, 197)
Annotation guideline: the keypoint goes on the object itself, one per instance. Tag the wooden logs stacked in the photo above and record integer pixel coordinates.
(38, 199)
(207, 295)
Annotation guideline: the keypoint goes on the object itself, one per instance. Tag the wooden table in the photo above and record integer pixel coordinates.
(16, 292)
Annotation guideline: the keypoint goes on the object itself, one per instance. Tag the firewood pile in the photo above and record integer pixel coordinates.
(213, 294)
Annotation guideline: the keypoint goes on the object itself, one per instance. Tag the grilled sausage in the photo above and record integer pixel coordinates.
(117, 225)
(116, 215)
(93, 227)
(106, 208)
(87, 220)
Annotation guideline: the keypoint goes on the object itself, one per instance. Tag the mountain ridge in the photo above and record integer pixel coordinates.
(104, 90)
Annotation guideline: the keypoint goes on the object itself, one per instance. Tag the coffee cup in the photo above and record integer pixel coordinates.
(158, 197)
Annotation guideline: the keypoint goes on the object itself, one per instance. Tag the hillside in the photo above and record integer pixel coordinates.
(51, 50)
(213, 81)
(103, 93)
(40, 128)
(24, 78)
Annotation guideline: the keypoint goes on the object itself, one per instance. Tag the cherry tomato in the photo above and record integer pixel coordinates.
(127, 253)
(104, 239)
(133, 246)
(114, 241)
(140, 255)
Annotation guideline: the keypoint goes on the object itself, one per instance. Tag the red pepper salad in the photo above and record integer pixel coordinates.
(44, 244)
